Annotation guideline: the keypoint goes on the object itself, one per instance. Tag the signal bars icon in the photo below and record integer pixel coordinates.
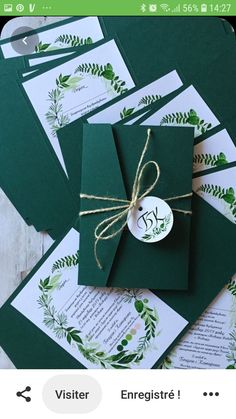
(177, 9)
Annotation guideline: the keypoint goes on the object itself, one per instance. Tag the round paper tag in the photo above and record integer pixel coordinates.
(150, 220)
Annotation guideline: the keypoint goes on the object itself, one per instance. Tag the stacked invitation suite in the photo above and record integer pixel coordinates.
(129, 164)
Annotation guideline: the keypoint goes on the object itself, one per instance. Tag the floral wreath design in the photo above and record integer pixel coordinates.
(55, 115)
(58, 322)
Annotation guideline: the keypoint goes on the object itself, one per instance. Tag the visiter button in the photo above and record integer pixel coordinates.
(72, 394)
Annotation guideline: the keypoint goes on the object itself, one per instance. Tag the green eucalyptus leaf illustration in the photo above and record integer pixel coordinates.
(109, 67)
(228, 198)
(118, 356)
(127, 359)
(139, 306)
(193, 119)
(76, 337)
(108, 74)
(100, 354)
(41, 47)
(126, 112)
(221, 160)
(119, 367)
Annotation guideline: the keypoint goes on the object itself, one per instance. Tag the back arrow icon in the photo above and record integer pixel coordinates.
(24, 40)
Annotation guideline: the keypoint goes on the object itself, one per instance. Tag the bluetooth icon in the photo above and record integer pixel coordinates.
(143, 8)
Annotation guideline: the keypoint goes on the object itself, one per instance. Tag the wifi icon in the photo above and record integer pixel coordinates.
(165, 7)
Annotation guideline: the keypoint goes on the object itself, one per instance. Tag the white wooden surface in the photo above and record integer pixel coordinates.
(21, 247)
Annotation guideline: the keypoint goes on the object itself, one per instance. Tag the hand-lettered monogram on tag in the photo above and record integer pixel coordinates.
(151, 220)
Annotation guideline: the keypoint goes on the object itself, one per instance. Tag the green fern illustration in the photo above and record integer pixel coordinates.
(55, 116)
(149, 99)
(226, 195)
(66, 262)
(232, 287)
(190, 118)
(69, 40)
(73, 40)
(212, 160)
(106, 72)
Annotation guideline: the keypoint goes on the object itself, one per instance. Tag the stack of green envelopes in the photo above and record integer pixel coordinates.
(82, 105)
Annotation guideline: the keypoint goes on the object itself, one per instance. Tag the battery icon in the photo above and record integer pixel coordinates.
(204, 8)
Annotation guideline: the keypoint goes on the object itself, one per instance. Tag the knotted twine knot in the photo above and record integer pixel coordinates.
(101, 231)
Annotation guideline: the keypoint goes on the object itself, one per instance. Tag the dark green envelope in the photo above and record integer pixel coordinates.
(108, 165)
(29, 172)
(211, 267)
(218, 89)
(212, 29)
(218, 95)
(154, 43)
(34, 349)
(69, 136)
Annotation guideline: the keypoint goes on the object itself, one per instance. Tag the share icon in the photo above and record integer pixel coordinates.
(21, 394)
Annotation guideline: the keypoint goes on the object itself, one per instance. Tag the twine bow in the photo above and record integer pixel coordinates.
(102, 230)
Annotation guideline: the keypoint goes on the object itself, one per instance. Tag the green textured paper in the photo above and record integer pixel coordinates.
(26, 345)
(218, 90)
(153, 43)
(109, 162)
(30, 174)
(211, 269)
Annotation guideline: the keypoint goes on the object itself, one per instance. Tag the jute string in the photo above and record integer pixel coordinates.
(104, 230)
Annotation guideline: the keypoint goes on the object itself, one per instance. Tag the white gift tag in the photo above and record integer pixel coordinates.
(151, 220)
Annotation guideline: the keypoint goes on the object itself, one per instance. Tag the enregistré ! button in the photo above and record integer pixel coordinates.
(72, 394)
